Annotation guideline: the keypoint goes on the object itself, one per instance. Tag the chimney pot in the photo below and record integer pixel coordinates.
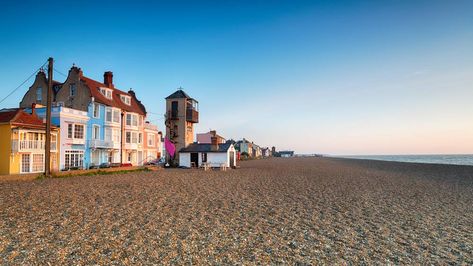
(33, 109)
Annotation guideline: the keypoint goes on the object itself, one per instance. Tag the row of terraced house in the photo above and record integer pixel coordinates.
(94, 125)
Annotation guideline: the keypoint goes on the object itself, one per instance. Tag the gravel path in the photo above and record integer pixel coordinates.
(274, 211)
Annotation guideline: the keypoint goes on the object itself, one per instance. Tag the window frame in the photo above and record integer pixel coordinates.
(96, 110)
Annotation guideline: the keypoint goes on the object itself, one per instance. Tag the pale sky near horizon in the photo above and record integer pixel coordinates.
(334, 77)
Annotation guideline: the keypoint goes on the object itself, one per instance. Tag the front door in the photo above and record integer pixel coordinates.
(232, 159)
(194, 159)
(140, 158)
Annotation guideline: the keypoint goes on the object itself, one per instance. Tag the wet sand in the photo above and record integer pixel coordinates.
(272, 211)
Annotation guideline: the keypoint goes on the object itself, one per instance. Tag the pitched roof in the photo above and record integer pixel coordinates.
(179, 94)
(93, 85)
(17, 116)
(6, 115)
(199, 147)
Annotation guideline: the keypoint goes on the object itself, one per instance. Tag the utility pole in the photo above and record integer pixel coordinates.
(47, 152)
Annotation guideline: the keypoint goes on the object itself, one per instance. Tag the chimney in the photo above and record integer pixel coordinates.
(131, 92)
(33, 109)
(214, 143)
(108, 79)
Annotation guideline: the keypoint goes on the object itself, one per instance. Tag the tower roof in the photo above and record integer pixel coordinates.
(179, 94)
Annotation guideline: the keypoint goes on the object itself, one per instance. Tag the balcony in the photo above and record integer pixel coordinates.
(32, 146)
(192, 115)
(103, 144)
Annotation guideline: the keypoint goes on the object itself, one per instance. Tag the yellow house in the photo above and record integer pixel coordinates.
(22, 143)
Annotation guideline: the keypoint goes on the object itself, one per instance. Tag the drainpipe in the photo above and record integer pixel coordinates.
(122, 129)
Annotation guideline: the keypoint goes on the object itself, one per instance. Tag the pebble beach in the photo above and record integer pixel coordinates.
(303, 211)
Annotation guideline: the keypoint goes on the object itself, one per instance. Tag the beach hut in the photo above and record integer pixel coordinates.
(213, 155)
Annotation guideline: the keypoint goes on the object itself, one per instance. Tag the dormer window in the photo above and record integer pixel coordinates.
(126, 99)
(106, 92)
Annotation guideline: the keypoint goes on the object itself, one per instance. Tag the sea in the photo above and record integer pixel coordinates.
(459, 159)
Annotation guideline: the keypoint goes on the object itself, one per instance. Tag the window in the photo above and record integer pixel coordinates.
(39, 94)
(108, 115)
(204, 157)
(128, 119)
(96, 110)
(131, 120)
(72, 89)
(73, 159)
(140, 138)
(174, 109)
(70, 129)
(25, 163)
(106, 92)
(116, 116)
(140, 121)
(108, 134)
(129, 157)
(78, 131)
(150, 140)
(38, 162)
(96, 132)
(128, 137)
(134, 137)
(116, 135)
(126, 99)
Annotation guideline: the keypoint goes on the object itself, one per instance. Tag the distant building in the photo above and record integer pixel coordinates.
(205, 138)
(286, 154)
(245, 146)
(265, 152)
(256, 151)
(23, 141)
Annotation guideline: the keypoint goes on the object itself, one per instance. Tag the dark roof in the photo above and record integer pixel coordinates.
(93, 85)
(179, 94)
(199, 147)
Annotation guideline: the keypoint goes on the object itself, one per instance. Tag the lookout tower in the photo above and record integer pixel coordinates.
(182, 112)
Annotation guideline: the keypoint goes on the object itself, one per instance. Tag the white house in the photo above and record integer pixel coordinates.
(194, 155)
(73, 124)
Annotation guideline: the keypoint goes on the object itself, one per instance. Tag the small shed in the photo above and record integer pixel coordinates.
(215, 155)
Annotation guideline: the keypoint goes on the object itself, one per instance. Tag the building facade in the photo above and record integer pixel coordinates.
(206, 138)
(115, 128)
(73, 134)
(181, 114)
(23, 141)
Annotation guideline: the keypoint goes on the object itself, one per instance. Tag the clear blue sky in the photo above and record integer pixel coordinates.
(338, 77)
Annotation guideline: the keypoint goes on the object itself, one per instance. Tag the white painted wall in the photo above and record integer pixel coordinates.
(217, 158)
(185, 159)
